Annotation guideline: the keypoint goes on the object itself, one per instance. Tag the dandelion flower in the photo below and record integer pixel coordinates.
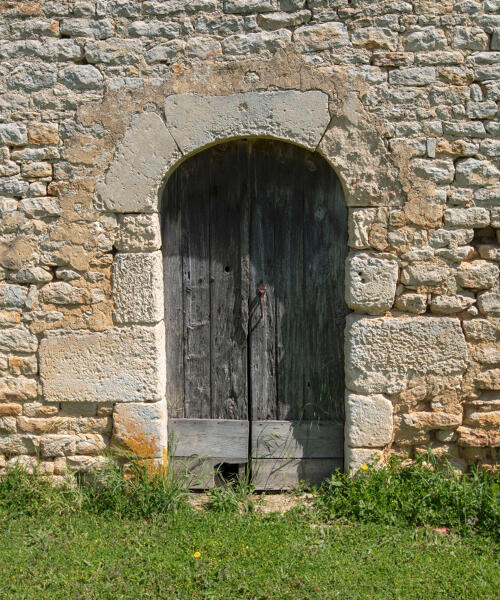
(197, 554)
(364, 467)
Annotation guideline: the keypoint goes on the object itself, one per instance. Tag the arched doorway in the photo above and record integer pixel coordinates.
(254, 243)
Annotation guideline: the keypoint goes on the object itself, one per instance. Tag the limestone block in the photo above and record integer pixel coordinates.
(441, 238)
(61, 292)
(382, 354)
(138, 288)
(142, 159)
(32, 275)
(139, 233)
(427, 421)
(413, 76)
(277, 20)
(438, 171)
(375, 38)
(12, 296)
(113, 51)
(16, 444)
(473, 172)
(40, 134)
(452, 304)
(81, 77)
(124, 364)
(489, 304)
(478, 275)
(141, 428)
(489, 252)
(53, 445)
(196, 121)
(254, 43)
(413, 303)
(495, 217)
(368, 421)
(13, 134)
(424, 274)
(467, 217)
(18, 340)
(478, 331)
(324, 36)
(370, 283)
(426, 38)
(355, 458)
(86, 464)
(362, 223)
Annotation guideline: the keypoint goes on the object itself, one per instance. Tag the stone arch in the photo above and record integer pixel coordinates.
(150, 149)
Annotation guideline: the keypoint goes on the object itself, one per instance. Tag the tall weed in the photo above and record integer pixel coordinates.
(426, 492)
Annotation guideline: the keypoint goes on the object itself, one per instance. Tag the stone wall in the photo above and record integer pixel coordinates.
(412, 90)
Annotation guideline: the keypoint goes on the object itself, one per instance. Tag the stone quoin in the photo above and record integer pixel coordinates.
(100, 102)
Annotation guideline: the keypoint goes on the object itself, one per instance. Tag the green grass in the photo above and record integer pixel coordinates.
(87, 556)
(139, 539)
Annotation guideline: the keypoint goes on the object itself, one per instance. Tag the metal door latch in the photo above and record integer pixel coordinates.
(261, 290)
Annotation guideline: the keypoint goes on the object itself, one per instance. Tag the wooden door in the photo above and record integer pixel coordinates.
(254, 243)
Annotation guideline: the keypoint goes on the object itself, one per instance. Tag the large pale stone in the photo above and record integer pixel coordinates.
(196, 121)
(368, 421)
(138, 288)
(142, 159)
(141, 428)
(489, 304)
(478, 275)
(139, 233)
(119, 365)
(355, 458)
(382, 354)
(370, 283)
(425, 273)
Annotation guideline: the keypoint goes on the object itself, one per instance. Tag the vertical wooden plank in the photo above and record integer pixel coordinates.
(288, 258)
(325, 249)
(195, 208)
(172, 279)
(229, 280)
(262, 324)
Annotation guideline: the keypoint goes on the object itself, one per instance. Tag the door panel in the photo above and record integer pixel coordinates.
(254, 247)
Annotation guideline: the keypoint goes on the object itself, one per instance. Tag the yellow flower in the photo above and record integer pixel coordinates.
(364, 467)
(197, 554)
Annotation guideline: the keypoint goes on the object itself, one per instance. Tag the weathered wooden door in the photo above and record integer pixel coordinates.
(254, 243)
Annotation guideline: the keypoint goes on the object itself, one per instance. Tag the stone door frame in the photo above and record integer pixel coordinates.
(109, 366)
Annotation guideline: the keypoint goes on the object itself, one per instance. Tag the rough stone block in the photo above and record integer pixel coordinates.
(196, 121)
(139, 233)
(368, 421)
(452, 304)
(413, 303)
(138, 288)
(142, 160)
(13, 134)
(362, 225)
(81, 77)
(424, 274)
(312, 38)
(489, 304)
(478, 275)
(141, 428)
(108, 366)
(413, 76)
(382, 354)
(370, 283)
(254, 43)
(473, 172)
(474, 217)
(355, 458)
(18, 340)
